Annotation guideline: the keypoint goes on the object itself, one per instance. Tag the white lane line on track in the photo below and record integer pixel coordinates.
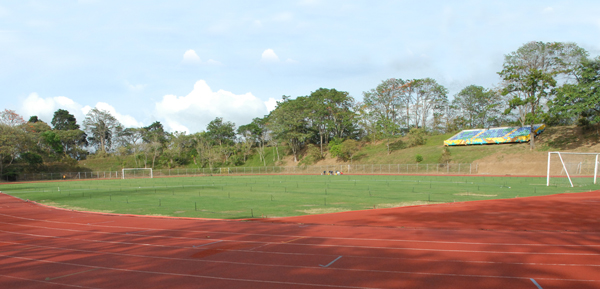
(291, 236)
(207, 244)
(63, 276)
(536, 283)
(309, 245)
(186, 275)
(262, 264)
(325, 266)
(46, 282)
(304, 267)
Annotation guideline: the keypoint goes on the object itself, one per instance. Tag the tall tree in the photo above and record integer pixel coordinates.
(155, 138)
(101, 126)
(289, 123)
(429, 95)
(478, 106)
(530, 77)
(63, 120)
(388, 102)
(222, 132)
(330, 111)
(13, 139)
(580, 100)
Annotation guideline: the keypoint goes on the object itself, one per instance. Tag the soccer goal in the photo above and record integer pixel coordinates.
(131, 173)
(578, 168)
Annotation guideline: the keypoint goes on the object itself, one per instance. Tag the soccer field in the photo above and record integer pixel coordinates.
(234, 197)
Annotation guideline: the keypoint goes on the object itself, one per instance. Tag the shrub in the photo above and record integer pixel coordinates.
(416, 137)
(419, 158)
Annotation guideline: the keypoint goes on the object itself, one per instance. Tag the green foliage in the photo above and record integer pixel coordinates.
(289, 123)
(398, 145)
(478, 107)
(416, 137)
(63, 120)
(418, 158)
(335, 147)
(221, 132)
(530, 73)
(580, 101)
(53, 140)
(313, 155)
(33, 160)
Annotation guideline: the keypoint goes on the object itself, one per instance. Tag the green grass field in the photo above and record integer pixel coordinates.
(234, 197)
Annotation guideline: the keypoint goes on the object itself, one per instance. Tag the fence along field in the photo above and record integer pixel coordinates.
(234, 197)
(451, 168)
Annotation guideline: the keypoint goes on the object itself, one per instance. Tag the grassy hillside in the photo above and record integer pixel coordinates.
(553, 139)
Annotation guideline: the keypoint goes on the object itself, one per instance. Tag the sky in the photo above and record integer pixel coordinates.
(184, 63)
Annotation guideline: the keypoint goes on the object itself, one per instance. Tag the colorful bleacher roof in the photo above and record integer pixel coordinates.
(496, 135)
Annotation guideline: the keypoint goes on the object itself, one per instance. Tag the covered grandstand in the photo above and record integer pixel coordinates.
(496, 135)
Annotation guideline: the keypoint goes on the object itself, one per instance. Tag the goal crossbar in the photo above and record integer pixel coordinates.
(565, 168)
(135, 169)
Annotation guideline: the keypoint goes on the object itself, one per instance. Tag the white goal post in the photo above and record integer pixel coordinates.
(579, 168)
(145, 172)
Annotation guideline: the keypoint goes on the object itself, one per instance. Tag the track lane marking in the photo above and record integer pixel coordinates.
(327, 238)
(325, 266)
(316, 245)
(536, 283)
(292, 240)
(296, 254)
(189, 275)
(46, 282)
(49, 279)
(319, 237)
(207, 244)
(304, 267)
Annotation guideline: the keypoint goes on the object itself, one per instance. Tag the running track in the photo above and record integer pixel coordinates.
(549, 242)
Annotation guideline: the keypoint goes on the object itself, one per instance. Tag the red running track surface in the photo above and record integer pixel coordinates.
(539, 242)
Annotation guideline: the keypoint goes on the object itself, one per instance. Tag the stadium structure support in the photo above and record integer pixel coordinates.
(566, 170)
(134, 170)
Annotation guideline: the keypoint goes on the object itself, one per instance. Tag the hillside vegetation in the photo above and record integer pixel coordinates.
(516, 158)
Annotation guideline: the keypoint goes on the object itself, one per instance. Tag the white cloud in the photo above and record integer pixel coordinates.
(135, 87)
(44, 108)
(271, 104)
(269, 56)
(191, 113)
(214, 62)
(190, 56)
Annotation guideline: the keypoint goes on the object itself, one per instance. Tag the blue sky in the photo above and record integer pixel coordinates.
(186, 62)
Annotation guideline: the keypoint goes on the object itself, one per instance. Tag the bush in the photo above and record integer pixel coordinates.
(397, 145)
(313, 155)
(335, 147)
(416, 137)
(419, 158)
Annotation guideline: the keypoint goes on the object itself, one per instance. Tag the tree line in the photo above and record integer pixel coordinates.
(541, 82)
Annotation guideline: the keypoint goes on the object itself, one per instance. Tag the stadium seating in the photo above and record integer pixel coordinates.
(495, 135)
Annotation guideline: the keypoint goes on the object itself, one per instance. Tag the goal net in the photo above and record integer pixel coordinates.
(136, 173)
(572, 169)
